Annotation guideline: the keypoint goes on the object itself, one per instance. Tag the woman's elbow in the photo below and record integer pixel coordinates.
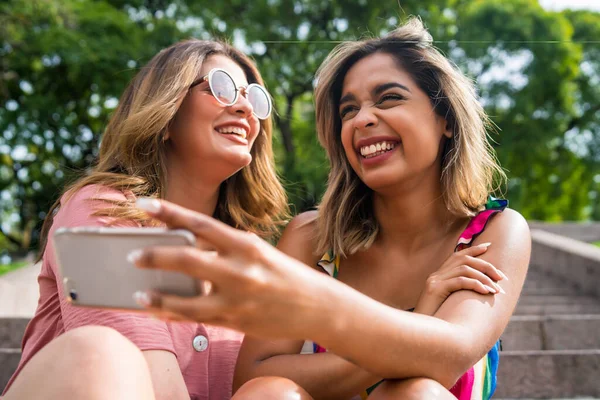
(445, 369)
(455, 367)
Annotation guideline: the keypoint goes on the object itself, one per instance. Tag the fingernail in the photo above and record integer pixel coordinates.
(502, 274)
(486, 245)
(490, 289)
(148, 204)
(142, 298)
(134, 256)
(499, 288)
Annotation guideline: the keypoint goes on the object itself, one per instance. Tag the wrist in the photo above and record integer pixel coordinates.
(334, 319)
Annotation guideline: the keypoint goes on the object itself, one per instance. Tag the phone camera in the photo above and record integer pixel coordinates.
(73, 294)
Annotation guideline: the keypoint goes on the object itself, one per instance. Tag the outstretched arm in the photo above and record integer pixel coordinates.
(266, 293)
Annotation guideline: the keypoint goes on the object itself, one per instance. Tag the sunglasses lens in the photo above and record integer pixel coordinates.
(223, 87)
(259, 98)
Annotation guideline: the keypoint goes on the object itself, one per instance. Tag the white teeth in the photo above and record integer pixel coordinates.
(376, 149)
(233, 129)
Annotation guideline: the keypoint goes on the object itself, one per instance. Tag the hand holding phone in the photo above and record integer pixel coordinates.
(95, 271)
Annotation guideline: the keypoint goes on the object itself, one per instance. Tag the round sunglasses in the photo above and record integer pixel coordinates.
(223, 88)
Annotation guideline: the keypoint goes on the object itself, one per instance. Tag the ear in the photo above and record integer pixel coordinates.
(445, 127)
(167, 136)
(448, 131)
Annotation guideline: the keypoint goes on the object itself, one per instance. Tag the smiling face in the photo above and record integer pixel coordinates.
(390, 131)
(207, 136)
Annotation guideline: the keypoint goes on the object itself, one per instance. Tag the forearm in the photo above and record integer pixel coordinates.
(322, 375)
(394, 344)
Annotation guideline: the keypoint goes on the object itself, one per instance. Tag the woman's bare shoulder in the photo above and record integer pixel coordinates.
(299, 238)
(509, 223)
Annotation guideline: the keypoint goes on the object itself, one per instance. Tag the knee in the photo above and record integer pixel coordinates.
(92, 337)
(88, 362)
(411, 389)
(98, 345)
(271, 388)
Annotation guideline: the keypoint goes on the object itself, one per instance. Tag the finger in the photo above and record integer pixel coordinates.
(486, 267)
(191, 261)
(464, 283)
(466, 271)
(220, 235)
(474, 251)
(470, 272)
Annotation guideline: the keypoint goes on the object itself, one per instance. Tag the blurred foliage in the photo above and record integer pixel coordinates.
(63, 65)
(4, 268)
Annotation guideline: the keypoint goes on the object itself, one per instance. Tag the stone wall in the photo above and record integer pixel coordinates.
(574, 262)
(584, 231)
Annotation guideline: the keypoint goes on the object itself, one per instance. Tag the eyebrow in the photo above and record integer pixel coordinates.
(347, 97)
(377, 91)
(385, 86)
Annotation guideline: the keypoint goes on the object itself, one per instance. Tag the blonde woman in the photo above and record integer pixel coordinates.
(407, 208)
(171, 138)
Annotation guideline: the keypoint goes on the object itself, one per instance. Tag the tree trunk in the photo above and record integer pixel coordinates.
(284, 123)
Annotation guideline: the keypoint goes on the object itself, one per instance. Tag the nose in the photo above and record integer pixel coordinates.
(242, 106)
(365, 119)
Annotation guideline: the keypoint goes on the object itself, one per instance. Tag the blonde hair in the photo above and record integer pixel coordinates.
(470, 171)
(132, 153)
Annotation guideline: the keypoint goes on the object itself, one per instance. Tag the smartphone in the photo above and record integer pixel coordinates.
(95, 272)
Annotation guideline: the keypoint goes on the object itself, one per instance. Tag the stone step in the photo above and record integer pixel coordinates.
(9, 360)
(547, 304)
(548, 374)
(549, 309)
(552, 332)
(530, 300)
(545, 290)
(549, 284)
(11, 332)
(536, 278)
(541, 281)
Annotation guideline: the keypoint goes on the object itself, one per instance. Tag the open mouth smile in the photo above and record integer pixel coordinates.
(233, 130)
(376, 149)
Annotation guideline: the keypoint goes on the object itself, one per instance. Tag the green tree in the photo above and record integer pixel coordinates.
(63, 66)
(529, 65)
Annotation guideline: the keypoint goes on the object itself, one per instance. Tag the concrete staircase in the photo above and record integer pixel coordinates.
(11, 333)
(19, 295)
(551, 348)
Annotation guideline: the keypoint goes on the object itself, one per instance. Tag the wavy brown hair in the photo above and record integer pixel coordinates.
(132, 153)
(470, 171)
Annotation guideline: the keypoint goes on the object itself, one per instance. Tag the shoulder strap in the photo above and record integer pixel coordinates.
(478, 223)
(330, 263)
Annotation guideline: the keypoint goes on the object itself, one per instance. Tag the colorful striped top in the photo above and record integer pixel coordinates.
(479, 382)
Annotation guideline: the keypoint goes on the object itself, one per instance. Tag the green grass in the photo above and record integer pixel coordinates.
(597, 243)
(11, 267)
